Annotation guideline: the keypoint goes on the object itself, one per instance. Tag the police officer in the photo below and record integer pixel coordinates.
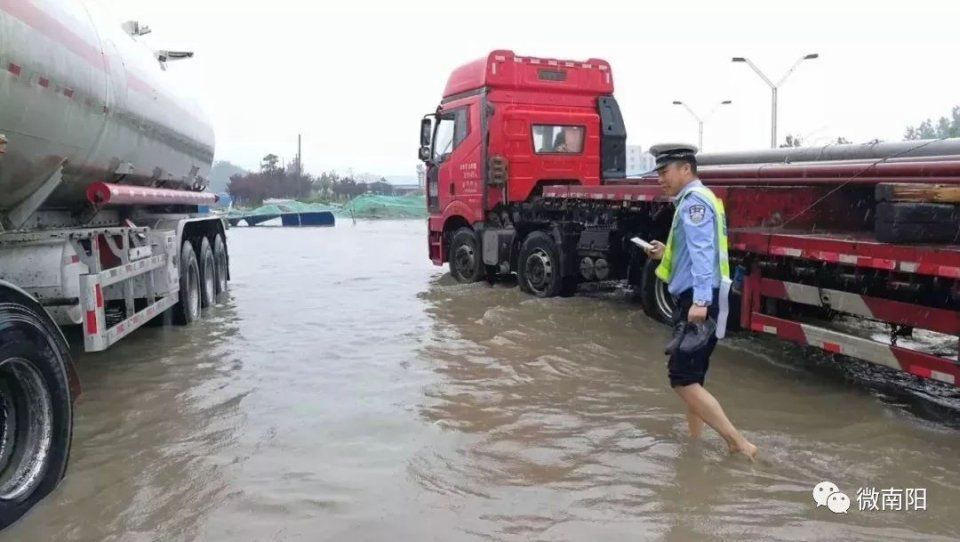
(694, 265)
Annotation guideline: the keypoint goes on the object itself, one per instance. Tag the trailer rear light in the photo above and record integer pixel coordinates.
(92, 323)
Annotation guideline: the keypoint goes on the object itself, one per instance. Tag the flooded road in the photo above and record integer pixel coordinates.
(348, 390)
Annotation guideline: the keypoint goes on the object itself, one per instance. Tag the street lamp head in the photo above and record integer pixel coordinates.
(675, 102)
(738, 59)
(812, 56)
(726, 102)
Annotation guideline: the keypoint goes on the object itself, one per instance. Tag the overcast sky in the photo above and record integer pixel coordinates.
(356, 77)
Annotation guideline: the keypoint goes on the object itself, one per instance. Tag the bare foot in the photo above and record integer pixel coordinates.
(747, 449)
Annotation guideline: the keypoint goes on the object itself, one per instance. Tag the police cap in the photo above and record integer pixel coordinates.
(665, 153)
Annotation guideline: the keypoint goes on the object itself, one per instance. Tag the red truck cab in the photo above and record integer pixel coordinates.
(509, 125)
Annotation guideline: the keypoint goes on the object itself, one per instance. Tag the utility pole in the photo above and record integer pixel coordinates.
(699, 120)
(773, 89)
(299, 157)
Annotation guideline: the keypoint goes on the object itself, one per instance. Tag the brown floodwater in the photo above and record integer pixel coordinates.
(349, 390)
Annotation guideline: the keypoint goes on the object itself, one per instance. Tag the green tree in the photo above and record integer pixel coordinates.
(270, 163)
(944, 127)
(843, 141)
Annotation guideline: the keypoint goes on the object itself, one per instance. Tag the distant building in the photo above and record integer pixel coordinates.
(639, 161)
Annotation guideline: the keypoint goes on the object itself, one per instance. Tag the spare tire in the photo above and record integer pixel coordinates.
(917, 223)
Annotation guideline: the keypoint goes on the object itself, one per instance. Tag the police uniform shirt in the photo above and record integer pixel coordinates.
(696, 236)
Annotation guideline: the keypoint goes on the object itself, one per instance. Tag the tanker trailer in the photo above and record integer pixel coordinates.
(103, 166)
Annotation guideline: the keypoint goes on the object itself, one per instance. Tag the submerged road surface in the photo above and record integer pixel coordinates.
(348, 390)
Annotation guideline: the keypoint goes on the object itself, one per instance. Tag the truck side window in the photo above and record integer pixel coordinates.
(557, 139)
(452, 129)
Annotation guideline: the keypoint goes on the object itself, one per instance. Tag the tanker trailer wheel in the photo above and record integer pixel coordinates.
(36, 407)
(654, 297)
(466, 261)
(208, 274)
(539, 266)
(222, 263)
(187, 310)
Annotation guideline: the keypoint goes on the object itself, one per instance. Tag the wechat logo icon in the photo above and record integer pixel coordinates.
(829, 495)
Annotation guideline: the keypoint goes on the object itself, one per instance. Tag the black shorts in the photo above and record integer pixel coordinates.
(691, 368)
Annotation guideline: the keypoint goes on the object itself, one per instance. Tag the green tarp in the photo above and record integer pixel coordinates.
(367, 206)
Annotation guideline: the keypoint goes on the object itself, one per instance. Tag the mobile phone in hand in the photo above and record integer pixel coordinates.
(641, 243)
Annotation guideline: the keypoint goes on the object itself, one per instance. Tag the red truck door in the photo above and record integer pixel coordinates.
(456, 159)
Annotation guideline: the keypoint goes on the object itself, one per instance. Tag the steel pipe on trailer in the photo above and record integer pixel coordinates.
(923, 171)
(868, 151)
(837, 171)
(102, 194)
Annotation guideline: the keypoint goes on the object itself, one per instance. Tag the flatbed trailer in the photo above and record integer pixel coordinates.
(831, 251)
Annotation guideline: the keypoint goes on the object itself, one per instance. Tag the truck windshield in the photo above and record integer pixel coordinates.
(451, 131)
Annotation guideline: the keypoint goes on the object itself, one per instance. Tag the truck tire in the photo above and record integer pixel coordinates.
(466, 261)
(654, 297)
(539, 268)
(208, 275)
(917, 223)
(187, 309)
(222, 263)
(36, 407)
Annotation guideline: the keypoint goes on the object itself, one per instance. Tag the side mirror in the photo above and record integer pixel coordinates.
(426, 130)
(424, 154)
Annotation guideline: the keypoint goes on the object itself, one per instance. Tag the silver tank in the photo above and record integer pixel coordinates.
(78, 90)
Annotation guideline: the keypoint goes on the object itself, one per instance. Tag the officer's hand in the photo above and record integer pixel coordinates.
(656, 252)
(697, 314)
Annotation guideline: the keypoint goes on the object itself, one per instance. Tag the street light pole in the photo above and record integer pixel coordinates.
(773, 89)
(699, 120)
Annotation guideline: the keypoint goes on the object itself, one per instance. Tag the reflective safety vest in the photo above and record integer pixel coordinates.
(665, 270)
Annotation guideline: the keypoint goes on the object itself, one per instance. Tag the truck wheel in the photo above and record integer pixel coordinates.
(539, 267)
(222, 263)
(654, 297)
(466, 262)
(208, 275)
(36, 407)
(187, 310)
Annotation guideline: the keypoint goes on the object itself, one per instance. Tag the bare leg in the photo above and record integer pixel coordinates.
(695, 423)
(702, 403)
